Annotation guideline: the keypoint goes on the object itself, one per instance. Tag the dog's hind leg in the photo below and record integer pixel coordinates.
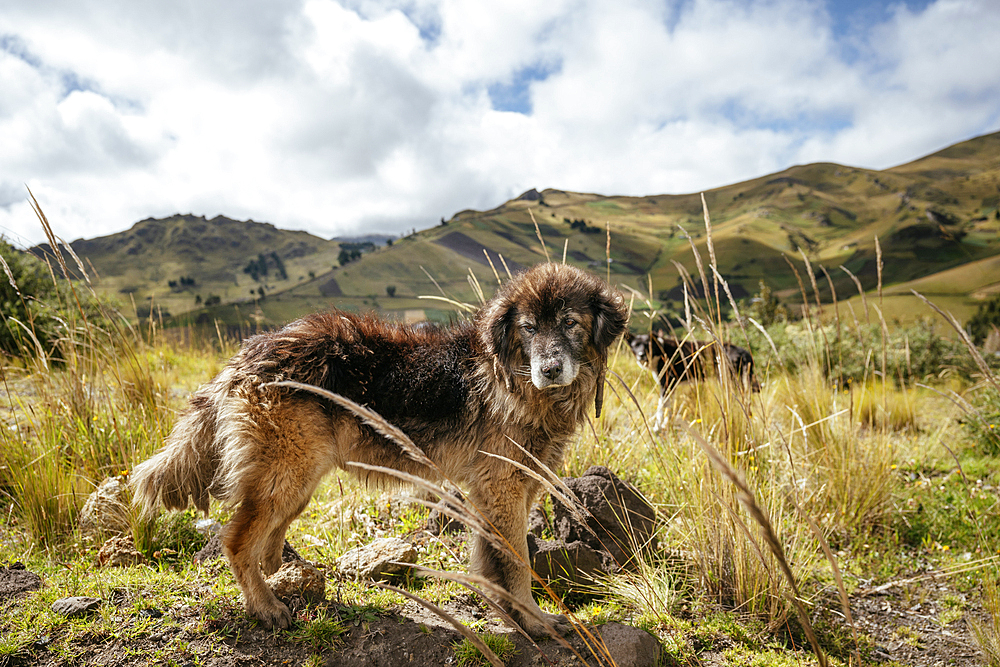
(253, 542)
(274, 546)
(273, 487)
(242, 542)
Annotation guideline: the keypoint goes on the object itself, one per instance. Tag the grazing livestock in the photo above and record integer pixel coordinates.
(673, 361)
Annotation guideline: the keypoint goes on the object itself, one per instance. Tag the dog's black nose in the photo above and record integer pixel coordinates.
(552, 370)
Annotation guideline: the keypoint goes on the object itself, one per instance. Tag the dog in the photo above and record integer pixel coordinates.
(522, 373)
(673, 361)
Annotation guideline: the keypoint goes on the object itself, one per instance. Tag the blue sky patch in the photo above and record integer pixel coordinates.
(515, 95)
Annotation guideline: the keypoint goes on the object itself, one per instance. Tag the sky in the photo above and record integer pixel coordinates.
(360, 116)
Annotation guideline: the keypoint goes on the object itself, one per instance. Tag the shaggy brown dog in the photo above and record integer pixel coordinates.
(524, 371)
(673, 361)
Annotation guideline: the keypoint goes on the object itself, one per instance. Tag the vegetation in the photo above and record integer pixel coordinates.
(261, 266)
(862, 463)
(986, 320)
(935, 218)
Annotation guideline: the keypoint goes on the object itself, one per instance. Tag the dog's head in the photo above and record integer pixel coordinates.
(548, 322)
(640, 348)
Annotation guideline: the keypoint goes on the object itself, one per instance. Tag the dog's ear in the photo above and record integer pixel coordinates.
(497, 336)
(610, 317)
(610, 321)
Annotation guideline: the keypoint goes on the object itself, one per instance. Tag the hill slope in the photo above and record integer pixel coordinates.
(181, 261)
(932, 217)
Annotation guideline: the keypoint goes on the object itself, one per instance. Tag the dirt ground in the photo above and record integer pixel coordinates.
(905, 621)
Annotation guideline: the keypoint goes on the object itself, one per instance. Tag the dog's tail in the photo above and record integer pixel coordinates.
(185, 467)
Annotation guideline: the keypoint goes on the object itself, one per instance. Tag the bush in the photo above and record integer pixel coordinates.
(913, 352)
(36, 306)
(986, 319)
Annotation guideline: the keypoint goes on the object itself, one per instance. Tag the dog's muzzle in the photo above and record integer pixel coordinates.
(553, 371)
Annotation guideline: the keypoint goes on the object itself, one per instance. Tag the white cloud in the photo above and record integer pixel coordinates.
(361, 115)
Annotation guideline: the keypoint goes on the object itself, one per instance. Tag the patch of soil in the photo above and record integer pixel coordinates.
(15, 580)
(470, 248)
(331, 288)
(910, 625)
(227, 637)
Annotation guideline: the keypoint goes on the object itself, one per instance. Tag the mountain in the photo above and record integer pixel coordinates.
(178, 262)
(936, 220)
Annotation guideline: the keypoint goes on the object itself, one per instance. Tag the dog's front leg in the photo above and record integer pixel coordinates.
(505, 508)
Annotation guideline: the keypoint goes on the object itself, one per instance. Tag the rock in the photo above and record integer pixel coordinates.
(380, 558)
(438, 522)
(621, 521)
(119, 552)
(14, 580)
(298, 578)
(558, 562)
(106, 511)
(76, 607)
(213, 550)
(621, 518)
(630, 647)
(207, 527)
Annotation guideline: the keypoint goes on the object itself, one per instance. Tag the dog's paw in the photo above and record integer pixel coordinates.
(275, 616)
(545, 624)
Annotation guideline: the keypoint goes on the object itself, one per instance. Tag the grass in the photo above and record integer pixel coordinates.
(751, 489)
(467, 655)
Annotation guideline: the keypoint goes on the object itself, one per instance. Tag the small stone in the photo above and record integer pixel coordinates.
(381, 558)
(119, 552)
(630, 647)
(106, 511)
(76, 607)
(207, 527)
(298, 578)
(573, 563)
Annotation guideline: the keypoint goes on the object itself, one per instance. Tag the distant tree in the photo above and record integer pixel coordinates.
(388, 242)
(312, 275)
(765, 307)
(213, 300)
(987, 318)
(197, 299)
(390, 290)
(348, 255)
(279, 265)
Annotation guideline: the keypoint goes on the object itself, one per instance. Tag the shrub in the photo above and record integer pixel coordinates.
(987, 318)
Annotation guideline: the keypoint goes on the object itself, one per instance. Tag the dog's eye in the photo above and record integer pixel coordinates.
(570, 323)
(528, 328)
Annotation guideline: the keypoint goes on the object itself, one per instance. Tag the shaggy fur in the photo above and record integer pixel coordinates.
(673, 361)
(524, 371)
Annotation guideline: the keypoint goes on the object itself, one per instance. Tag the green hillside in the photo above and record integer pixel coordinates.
(180, 262)
(936, 220)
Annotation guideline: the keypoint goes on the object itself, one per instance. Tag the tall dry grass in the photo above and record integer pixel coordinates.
(83, 409)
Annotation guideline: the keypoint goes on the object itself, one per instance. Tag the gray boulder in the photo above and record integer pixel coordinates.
(379, 559)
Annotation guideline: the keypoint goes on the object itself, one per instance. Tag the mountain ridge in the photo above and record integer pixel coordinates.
(934, 214)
